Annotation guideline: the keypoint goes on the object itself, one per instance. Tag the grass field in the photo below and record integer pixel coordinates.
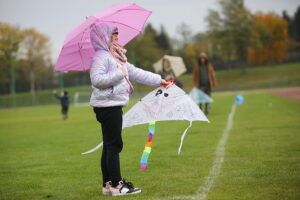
(40, 153)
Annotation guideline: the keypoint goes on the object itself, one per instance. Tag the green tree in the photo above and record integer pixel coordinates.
(296, 25)
(185, 31)
(10, 37)
(145, 49)
(230, 30)
(163, 41)
(289, 20)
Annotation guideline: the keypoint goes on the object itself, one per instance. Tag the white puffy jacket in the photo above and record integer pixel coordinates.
(108, 83)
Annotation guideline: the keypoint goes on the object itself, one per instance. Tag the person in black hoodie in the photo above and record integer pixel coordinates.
(64, 101)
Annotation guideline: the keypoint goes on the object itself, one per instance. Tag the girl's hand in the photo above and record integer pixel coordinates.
(123, 70)
(163, 81)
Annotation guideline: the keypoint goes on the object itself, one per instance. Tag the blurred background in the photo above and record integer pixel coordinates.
(251, 44)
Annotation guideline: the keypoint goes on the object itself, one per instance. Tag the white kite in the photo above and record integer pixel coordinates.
(199, 96)
(163, 104)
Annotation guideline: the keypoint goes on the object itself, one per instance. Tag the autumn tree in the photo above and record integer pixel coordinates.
(35, 49)
(270, 33)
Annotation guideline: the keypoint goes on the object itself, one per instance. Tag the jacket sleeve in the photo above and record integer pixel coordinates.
(56, 96)
(195, 74)
(142, 76)
(101, 76)
(213, 76)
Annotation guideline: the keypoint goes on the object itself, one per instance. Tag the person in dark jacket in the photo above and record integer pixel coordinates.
(64, 101)
(204, 78)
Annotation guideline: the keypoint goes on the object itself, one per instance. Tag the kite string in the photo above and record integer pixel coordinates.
(182, 137)
(147, 150)
(93, 149)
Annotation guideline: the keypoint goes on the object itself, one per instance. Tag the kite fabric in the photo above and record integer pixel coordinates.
(199, 96)
(163, 104)
(147, 150)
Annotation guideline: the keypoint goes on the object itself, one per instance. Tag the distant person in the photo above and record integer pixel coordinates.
(64, 101)
(168, 74)
(204, 78)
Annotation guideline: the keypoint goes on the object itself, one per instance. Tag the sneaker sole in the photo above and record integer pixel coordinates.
(115, 195)
(106, 193)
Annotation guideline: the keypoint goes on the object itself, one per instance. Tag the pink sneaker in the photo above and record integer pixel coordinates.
(124, 188)
(106, 189)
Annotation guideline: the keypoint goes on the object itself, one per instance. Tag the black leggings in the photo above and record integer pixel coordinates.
(64, 110)
(111, 123)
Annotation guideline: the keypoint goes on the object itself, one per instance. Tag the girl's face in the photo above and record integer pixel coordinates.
(114, 37)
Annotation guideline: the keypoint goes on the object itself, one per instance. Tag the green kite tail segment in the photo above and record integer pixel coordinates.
(147, 150)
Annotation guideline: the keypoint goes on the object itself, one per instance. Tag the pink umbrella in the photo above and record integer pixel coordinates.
(77, 50)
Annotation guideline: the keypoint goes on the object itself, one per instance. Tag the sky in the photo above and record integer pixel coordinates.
(55, 18)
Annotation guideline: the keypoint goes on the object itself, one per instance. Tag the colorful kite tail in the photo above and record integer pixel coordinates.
(147, 150)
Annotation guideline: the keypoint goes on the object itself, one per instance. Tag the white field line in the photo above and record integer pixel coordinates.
(219, 159)
(201, 194)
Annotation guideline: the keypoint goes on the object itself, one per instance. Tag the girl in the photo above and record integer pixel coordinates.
(110, 73)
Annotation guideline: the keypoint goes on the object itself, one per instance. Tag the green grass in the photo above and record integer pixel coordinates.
(40, 153)
(285, 75)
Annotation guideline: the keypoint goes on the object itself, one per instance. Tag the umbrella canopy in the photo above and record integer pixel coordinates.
(77, 50)
(174, 62)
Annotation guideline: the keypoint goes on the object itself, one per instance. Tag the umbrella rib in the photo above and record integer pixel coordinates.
(124, 25)
(81, 57)
(126, 9)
